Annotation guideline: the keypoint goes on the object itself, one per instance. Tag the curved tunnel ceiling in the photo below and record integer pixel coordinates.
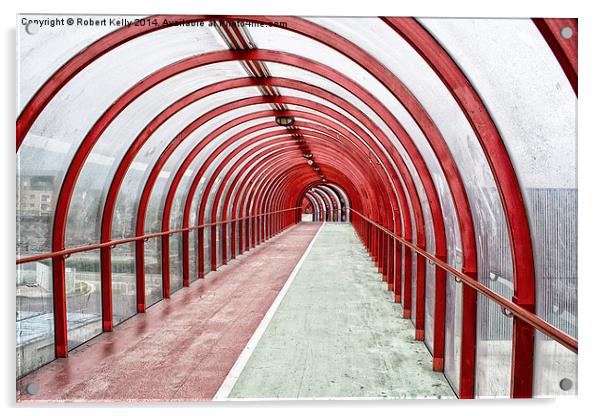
(158, 128)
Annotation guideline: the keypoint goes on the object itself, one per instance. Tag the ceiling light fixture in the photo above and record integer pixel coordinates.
(285, 120)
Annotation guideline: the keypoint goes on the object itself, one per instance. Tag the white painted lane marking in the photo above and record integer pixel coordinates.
(236, 370)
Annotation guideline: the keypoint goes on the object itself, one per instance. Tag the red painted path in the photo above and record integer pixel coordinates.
(182, 348)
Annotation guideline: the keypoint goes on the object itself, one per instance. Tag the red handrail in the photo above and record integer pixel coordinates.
(113, 243)
(516, 310)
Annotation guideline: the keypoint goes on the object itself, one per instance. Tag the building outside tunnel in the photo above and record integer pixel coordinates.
(242, 207)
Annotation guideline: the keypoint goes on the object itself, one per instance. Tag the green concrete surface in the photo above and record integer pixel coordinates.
(338, 334)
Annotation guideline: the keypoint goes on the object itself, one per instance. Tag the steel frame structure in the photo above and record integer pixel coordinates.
(265, 179)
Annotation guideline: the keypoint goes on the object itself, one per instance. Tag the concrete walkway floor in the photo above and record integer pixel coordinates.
(338, 334)
(182, 348)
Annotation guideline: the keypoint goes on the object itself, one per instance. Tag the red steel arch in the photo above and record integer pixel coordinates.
(232, 154)
(82, 151)
(438, 222)
(249, 155)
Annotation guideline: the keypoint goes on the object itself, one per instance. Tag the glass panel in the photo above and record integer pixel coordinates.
(237, 230)
(223, 173)
(41, 54)
(540, 134)
(429, 286)
(280, 40)
(146, 158)
(494, 350)
(36, 191)
(229, 229)
(184, 186)
(87, 203)
(153, 279)
(555, 369)
(207, 250)
(312, 78)
(35, 316)
(553, 215)
(123, 272)
(193, 256)
(245, 225)
(453, 332)
(367, 111)
(218, 246)
(156, 202)
(86, 207)
(326, 197)
(380, 40)
(413, 306)
(60, 128)
(345, 212)
(176, 281)
(84, 298)
(210, 172)
(227, 237)
(433, 166)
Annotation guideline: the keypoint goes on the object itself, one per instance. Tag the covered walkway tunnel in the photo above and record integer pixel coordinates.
(214, 207)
